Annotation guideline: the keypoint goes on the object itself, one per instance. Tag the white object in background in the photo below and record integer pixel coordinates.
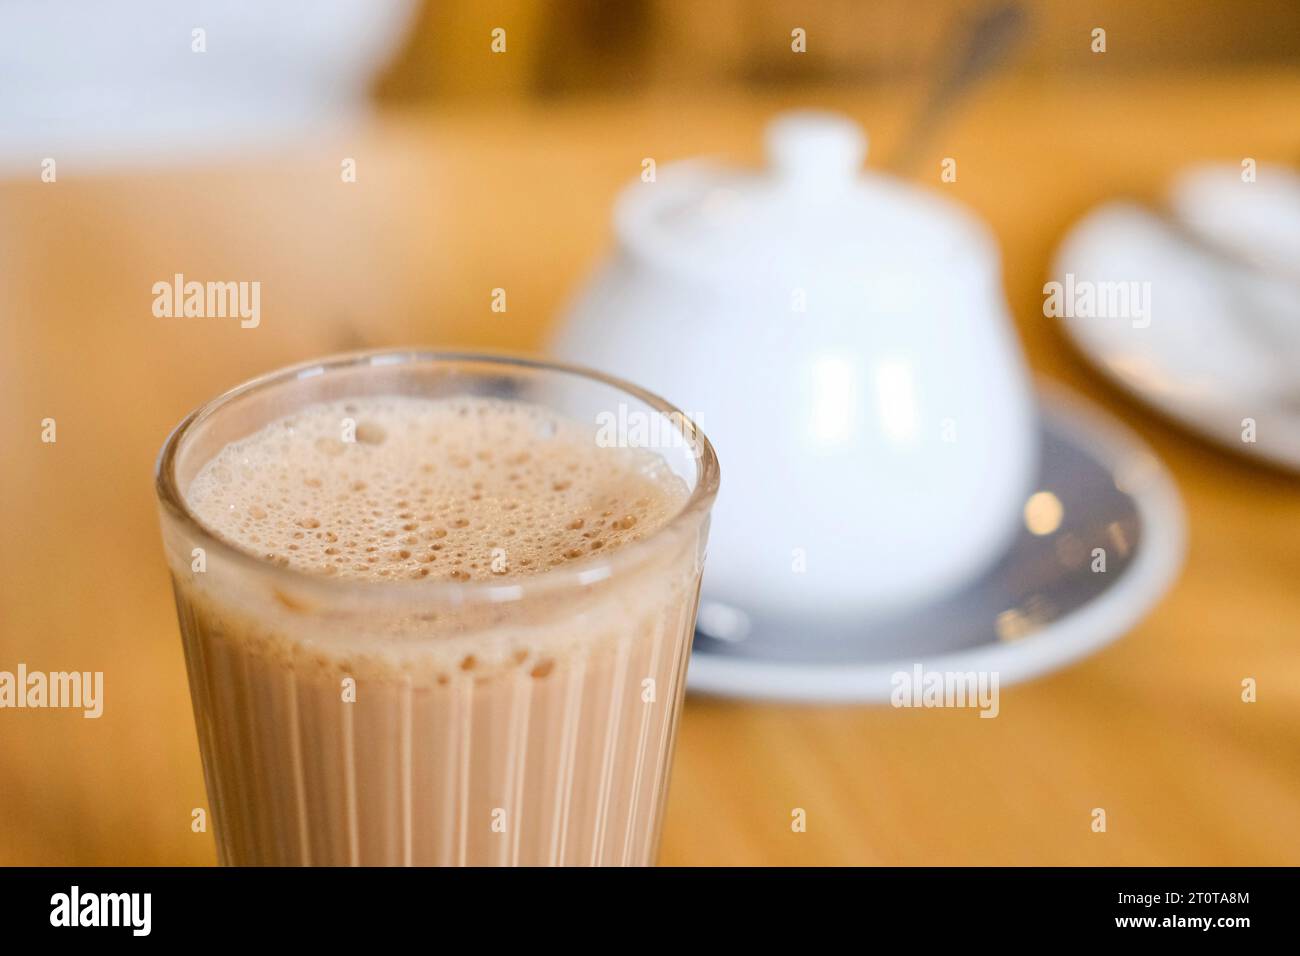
(90, 83)
(1257, 221)
(844, 341)
(1040, 608)
(1219, 350)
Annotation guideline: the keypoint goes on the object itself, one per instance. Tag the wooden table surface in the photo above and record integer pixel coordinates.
(452, 204)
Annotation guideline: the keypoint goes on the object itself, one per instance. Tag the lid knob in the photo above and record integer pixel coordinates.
(811, 146)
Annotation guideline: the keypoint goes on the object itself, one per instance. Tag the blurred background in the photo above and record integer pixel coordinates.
(140, 140)
(584, 47)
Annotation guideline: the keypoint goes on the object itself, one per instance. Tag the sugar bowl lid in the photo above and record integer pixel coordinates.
(810, 212)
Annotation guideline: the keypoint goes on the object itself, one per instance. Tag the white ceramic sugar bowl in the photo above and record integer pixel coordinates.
(844, 342)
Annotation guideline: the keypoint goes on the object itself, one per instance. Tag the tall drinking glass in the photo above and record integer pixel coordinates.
(522, 719)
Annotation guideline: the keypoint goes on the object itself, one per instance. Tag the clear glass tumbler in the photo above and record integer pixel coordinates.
(349, 722)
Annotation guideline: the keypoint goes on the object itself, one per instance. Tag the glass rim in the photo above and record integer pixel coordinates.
(574, 575)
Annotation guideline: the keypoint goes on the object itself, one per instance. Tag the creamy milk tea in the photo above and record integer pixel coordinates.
(435, 657)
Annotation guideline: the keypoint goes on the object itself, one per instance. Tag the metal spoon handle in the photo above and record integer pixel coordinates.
(976, 48)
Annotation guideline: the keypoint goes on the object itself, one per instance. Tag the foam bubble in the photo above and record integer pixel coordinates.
(459, 489)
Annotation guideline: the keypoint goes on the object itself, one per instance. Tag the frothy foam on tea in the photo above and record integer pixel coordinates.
(460, 489)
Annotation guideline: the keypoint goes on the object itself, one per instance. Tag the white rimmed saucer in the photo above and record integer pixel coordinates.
(1039, 607)
(1214, 341)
